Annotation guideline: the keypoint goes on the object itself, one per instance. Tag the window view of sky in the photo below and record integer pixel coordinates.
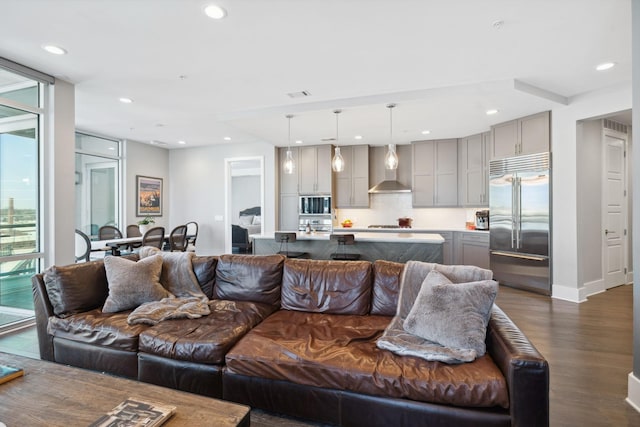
(18, 171)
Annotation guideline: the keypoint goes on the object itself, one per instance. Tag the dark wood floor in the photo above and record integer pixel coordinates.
(588, 346)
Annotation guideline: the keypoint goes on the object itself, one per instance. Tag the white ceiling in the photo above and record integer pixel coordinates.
(443, 63)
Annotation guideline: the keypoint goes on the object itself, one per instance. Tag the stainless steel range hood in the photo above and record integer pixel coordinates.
(390, 184)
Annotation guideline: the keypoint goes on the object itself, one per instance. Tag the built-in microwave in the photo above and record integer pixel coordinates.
(315, 205)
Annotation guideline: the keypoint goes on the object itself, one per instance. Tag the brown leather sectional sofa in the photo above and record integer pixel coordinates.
(296, 337)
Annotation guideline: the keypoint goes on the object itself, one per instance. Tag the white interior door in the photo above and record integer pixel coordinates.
(614, 197)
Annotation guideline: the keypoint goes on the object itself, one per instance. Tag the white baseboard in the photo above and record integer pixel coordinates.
(592, 288)
(578, 294)
(633, 392)
(566, 293)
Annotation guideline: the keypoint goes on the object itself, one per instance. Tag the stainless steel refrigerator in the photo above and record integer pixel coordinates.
(519, 221)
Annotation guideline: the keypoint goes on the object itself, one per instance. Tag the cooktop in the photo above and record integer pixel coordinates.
(385, 226)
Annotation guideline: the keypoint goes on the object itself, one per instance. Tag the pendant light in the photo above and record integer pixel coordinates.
(337, 163)
(288, 164)
(391, 158)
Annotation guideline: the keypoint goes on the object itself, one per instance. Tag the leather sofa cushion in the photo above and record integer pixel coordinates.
(206, 339)
(386, 287)
(254, 278)
(98, 328)
(76, 288)
(339, 352)
(204, 268)
(336, 287)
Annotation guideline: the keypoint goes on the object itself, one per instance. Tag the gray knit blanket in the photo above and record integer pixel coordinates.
(179, 279)
(401, 342)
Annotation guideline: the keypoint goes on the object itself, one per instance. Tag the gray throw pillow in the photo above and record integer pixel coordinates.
(133, 283)
(452, 315)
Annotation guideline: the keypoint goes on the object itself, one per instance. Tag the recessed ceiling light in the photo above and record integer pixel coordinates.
(497, 25)
(126, 100)
(181, 142)
(227, 138)
(425, 132)
(358, 137)
(298, 141)
(492, 112)
(605, 66)
(215, 12)
(56, 50)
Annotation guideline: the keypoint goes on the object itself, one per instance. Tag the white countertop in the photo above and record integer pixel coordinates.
(369, 236)
(405, 230)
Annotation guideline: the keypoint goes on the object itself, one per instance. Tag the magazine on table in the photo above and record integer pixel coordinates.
(7, 373)
(136, 413)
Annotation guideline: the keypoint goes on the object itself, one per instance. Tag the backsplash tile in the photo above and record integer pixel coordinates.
(386, 208)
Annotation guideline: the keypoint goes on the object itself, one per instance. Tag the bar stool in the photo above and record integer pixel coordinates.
(341, 254)
(285, 238)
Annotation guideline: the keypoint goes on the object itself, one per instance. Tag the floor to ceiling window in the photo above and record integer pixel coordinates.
(97, 183)
(21, 252)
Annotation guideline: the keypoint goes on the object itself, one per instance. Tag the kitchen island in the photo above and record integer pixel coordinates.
(399, 247)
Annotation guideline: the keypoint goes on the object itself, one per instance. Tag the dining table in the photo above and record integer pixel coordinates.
(114, 245)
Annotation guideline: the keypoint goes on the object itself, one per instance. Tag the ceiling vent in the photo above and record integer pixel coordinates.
(301, 94)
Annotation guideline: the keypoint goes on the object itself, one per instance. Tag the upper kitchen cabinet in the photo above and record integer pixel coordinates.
(314, 168)
(473, 185)
(526, 135)
(289, 183)
(288, 208)
(435, 173)
(352, 184)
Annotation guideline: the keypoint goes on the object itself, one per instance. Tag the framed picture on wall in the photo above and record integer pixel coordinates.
(149, 196)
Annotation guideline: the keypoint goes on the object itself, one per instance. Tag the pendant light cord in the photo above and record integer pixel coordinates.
(337, 113)
(289, 116)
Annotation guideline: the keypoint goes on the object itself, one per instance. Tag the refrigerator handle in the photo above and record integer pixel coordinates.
(518, 207)
(513, 207)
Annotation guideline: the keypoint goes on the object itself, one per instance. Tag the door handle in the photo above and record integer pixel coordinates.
(607, 231)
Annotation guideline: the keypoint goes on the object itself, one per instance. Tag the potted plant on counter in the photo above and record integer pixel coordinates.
(145, 224)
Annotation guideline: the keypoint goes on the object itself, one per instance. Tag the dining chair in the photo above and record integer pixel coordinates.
(134, 231)
(341, 253)
(192, 235)
(107, 232)
(83, 246)
(284, 238)
(178, 239)
(154, 237)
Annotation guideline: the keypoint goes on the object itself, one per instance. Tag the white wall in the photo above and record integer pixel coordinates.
(197, 190)
(146, 160)
(566, 262)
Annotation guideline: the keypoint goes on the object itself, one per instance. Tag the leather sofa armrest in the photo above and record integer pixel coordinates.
(43, 310)
(525, 369)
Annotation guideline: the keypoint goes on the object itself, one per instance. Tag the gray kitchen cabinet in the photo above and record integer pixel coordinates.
(352, 184)
(472, 248)
(526, 135)
(289, 199)
(288, 212)
(435, 173)
(314, 175)
(288, 183)
(473, 184)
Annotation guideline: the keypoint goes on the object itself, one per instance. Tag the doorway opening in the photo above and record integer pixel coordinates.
(244, 201)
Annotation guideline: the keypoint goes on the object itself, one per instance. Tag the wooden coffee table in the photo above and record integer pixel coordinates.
(51, 394)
